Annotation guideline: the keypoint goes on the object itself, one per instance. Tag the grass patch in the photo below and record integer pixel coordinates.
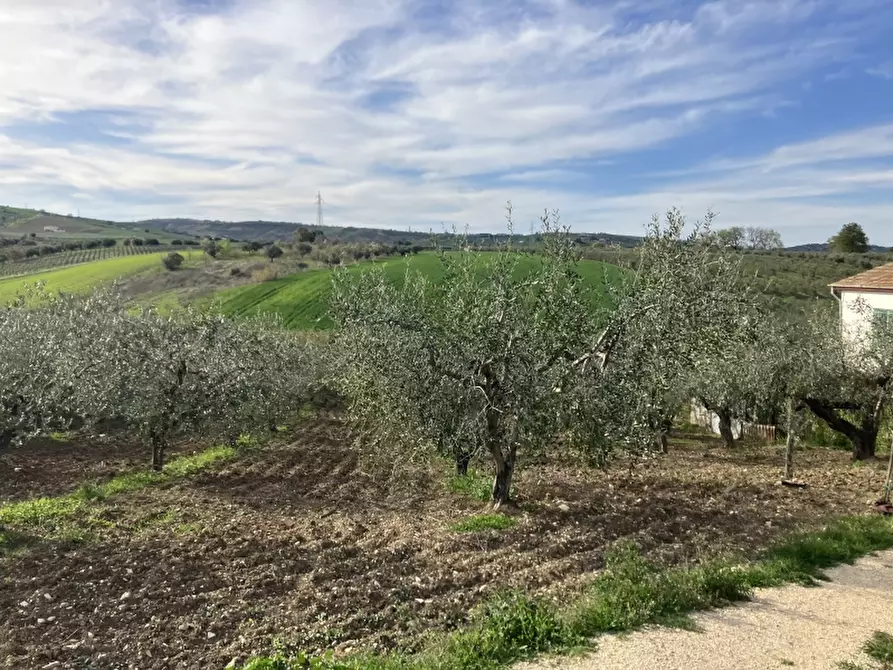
(480, 522)
(476, 485)
(629, 593)
(47, 514)
(880, 648)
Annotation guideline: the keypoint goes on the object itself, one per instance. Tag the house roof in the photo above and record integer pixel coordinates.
(879, 278)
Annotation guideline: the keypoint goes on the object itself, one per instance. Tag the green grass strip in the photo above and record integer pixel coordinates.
(479, 522)
(46, 513)
(629, 593)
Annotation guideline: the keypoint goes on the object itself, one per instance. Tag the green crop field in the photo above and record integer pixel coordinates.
(82, 278)
(302, 299)
(36, 264)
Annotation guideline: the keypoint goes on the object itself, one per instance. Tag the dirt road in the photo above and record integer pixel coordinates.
(794, 626)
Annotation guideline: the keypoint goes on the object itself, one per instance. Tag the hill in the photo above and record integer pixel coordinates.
(302, 299)
(824, 247)
(268, 231)
(18, 222)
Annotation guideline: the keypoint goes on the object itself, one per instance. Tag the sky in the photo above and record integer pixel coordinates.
(428, 113)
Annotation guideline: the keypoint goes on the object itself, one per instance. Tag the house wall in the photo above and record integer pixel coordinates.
(856, 308)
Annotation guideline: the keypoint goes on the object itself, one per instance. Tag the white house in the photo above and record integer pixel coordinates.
(864, 298)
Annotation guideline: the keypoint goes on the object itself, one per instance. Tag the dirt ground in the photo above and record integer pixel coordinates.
(299, 543)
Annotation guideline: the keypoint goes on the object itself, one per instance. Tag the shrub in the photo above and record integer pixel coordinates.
(172, 261)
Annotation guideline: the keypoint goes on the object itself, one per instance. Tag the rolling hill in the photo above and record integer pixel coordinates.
(18, 222)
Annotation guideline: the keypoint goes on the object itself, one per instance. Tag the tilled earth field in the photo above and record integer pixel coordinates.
(297, 543)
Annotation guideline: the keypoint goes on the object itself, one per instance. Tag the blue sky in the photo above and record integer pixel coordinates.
(426, 112)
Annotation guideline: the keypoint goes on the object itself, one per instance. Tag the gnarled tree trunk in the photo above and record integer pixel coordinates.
(502, 481)
(863, 436)
(6, 438)
(463, 459)
(725, 427)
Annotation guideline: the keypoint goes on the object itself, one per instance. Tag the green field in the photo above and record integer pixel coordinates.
(62, 259)
(82, 278)
(302, 299)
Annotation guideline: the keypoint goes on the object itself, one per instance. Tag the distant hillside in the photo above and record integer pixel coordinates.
(267, 231)
(824, 247)
(18, 222)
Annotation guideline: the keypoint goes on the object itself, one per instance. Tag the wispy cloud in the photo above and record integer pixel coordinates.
(412, 112)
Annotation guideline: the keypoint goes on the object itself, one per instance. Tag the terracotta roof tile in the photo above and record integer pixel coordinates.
(880, 277)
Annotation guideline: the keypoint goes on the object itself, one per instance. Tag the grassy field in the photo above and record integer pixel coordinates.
(302, 299)
(82, 278)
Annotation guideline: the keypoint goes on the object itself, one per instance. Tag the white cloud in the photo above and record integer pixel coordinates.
(247, 112)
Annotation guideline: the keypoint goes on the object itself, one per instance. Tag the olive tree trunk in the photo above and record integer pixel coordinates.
(463, 459)
(158, 449)
(725, 427)
(863, 436)
(502, 481)
(789, 442)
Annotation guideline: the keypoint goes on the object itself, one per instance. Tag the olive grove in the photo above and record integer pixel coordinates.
(67, 361)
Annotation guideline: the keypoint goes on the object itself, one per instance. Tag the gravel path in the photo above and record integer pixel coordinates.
(793, 626)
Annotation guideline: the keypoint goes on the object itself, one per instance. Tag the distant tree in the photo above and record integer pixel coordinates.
(152, 242)
(252, 246)
(177, 243)
(304, 248)
(211, 247)
(763, 239)
(173, 261)
(731, 238)
(273, 252)
(851, 240)
(303, 234)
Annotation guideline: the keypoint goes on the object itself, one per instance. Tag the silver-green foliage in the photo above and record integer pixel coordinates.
(186, 374)
(474, 363)
(490, 360)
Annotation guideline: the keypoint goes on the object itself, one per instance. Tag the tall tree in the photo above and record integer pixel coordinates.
(850, 239)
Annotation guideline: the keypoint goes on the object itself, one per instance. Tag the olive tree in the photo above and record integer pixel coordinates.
(847, 384)
(195, 373)
(676, 313)
(51, 352)
(508, 353)
(473, 363)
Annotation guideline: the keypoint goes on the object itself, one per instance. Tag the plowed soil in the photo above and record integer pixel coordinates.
(298, 542)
